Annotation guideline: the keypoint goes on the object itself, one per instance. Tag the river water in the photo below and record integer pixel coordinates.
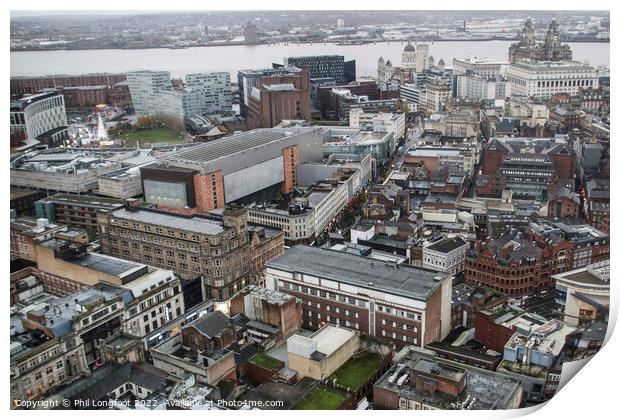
(233, 58)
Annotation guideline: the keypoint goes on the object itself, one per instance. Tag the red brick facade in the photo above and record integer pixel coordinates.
(277, 105)
(395, 325)
(198, 342)
(563, 207)
(493, 336)
(209, 190)
(290, 155)
(286, 315)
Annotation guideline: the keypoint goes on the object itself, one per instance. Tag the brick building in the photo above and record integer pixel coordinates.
(216, 254)
(76, 211)
(420, 381)
(398, 304)
(280, 97)
(495, 328)
(26, 232)
(270, 307)
(524, 166)
(521, 263)
(21, 85)
(564, 204)
(468, 300)
(201, 349)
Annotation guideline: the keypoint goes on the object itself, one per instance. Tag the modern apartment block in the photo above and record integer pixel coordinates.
(40, 116)
(216, 253)
(255, 163)
(400, 304)
(142, 84)
(332, 66)
(213, 89)
(204, 93)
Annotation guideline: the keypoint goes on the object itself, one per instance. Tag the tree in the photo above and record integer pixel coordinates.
(144, 122)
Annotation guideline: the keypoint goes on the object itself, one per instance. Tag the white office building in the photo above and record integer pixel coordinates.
(481, 87)
(447, 255)
(411, 93)
(545, 78)
(214, 88)
(378, 121)
(479, 66)
(39, 114)
(143, 84)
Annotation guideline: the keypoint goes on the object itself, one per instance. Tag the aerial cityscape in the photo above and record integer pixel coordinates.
(306, 210)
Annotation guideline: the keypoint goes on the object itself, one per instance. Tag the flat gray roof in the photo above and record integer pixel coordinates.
(88, 200)
(227, 146)
(106, 264)
(491, 390)
(402, 280)
(193, 224)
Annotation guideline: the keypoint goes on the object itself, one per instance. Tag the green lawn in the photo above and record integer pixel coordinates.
(266, 361)
(357, 370)
(153, 135)
(321, 398)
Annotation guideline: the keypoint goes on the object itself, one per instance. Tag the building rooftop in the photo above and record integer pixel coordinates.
(231, 145)
(401, 280)
(447, 244)
(90, 201)
(280, 87)
(19, 103)
(484, 390)
(60, 313)
(111, 376)
(188, 223)
(551, 66)
(321, 344)
(597, 274)
(354, 136)
(546, 338)
(271, 296)
(278, 391)
(29, 225)
(211, 324)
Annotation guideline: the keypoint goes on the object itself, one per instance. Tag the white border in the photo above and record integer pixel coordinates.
(591, 394)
